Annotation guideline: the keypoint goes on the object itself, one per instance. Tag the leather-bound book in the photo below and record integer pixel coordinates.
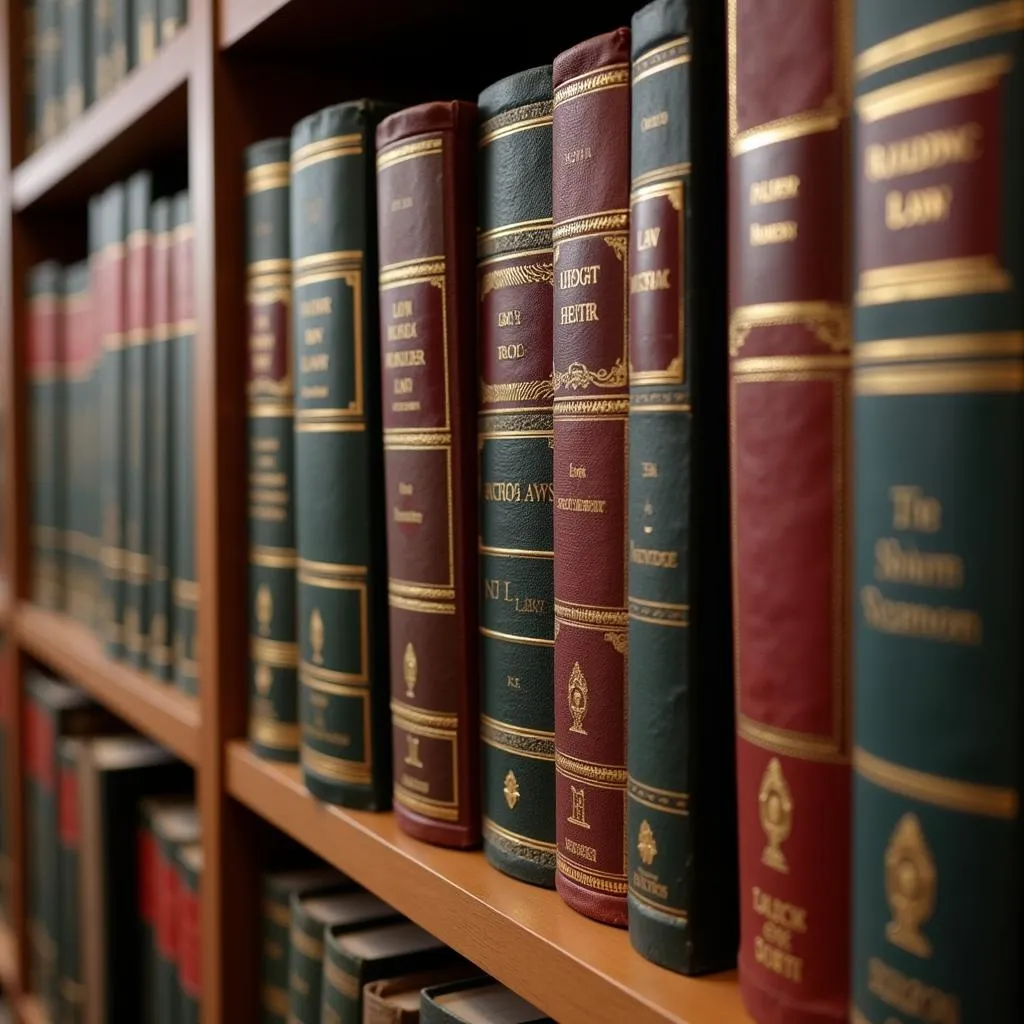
(682, 776)
(160, 604)
(145, 29)
(102, 44)
(93, 442)
(190, 874)
(184, 585)
(172, 19)
(123, 51)
(76, 57)
(71, 988)
(273, 647)
(789, 347)
(938, 395)
(426, 160)
(339, 475)
(474, 1001)
(514, 274)
(591, 405)
(49, 69)
(397, 1000)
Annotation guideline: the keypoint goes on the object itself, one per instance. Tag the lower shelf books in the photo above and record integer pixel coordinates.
(477, 1001)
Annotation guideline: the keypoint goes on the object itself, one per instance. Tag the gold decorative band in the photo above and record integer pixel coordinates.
(590, 879)
(306, 155)
(952, 794)
(606, 776)
(267, 177)
(277, 913)
(326, 260)
(659, 613)
(186, 593)
(830, 321)
(399, 152)
(306, 944)
(488, 549)
(613, 76)
(518, 227)
(591, 615)
(516, 740)
(276, 653)
(401, 437)
(939, 347)
(542, 272)
(516, 391)
(337, 769)
(606, 222)
(332, 570)
(672, 54)
(661, 908)
(514, 638)
(530, 115)
(668, 801)
(541, 121)
(421, 269)
(802, 745)
(272, 558)
(932, 279)
(421, 805)
(429, 607)
(278, 735)
(790, 364)
(515, 845)
(345, 983)
(276, 1000)
(427, 593)
(948, 378)
(406, 713)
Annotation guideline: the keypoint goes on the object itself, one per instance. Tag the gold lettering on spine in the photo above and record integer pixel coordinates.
(578, 815)
(773, 948)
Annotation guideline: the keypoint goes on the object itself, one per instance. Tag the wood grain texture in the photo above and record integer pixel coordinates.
(574, 969)
(8, 960)
(72, 651)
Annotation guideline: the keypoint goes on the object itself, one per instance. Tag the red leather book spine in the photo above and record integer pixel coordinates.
(591, 224)
(426, 214)
(789, 344)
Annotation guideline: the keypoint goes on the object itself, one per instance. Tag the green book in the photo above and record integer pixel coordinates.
(278, 889)
(102, 47)
(353, 958)
(70, 975)
(145, 30)
(273, 647)
(49, 70)
(76, 36)
(137, 334)
(311, 917)
(185, 587)
(190, 872)
(171, 14)
(340, 522)
(122, 40)
(477, 1001)
(93, 464)
(938, 502)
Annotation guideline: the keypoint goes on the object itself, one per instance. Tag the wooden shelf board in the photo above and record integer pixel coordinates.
(572, 968)
(115, 134)
(32, 1011)
(154, 708)
(5, 603)
(8, 959)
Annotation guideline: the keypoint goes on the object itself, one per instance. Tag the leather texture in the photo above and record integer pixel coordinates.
(485, 995)
(273, 630)
(590, 357)
(789, 345)
(426, 162)
(514, 278)
(938, 503)
(380, 1005)
(343, 640)
(681, 821)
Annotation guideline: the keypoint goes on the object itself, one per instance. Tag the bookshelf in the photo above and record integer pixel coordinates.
(236, 74)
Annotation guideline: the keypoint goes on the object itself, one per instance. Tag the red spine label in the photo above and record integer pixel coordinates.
(189, 948)
(167, 908)
(68, 809)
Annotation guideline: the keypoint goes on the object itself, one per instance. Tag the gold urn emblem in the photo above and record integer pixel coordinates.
(511, 790)
(263, 678)
(646, 845)
(410, 670)
(910, 880)
(264, 608)
(577, 699)
(776, 809)
(316, 635)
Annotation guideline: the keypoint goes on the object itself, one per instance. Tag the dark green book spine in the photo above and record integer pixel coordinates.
(48, 855)
(76, 36)
(168, 990)
(939, 507)
(274, 977)
(159, 476)
(122, 40)
(69, 951)
(517, 628)
(343, 700)
(101, 66)
(114, 448)
(145, 29)
(342, 997)
(37, 727)
(305, 966)
(185, 584)
(50, 93)
(273, 646)
(138, 331)
(92, 442)
(172, 19)
(681, 827)
(189, 940)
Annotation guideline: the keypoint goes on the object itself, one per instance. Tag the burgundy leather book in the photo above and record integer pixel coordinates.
(591, 224)
(426, 159)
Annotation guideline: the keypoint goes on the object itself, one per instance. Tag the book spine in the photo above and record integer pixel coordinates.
(48, 853)
(168, 921)
(77, 79)
(37, 736)
(102, 40)
(148, 922)
(305, 967)
(50, 93)
(426, 186)
(342, 1001)
(185, 585)
(189, 944)
(30, 47)
(138, 331)
(516, 439)
(274, 977)
(69, 955)
(146, 30)
(789, 341)
(682, 845)
(122, 40)
(937, 384)
(92, 441)
(171, 14)
(591, 404)
(273, 646)
(159, 470)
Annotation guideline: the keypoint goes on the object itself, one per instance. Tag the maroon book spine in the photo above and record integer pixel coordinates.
(426, 213)
(590, 189)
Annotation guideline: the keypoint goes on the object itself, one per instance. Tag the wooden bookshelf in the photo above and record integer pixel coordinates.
(8, 960)
(32, 1011)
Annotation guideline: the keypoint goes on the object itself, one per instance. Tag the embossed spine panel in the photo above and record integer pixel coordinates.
(343, 702)
(939, 502)
(136, 357)
(514, 272)
(681, 789)
(185, 587)
(273, 646)
(160, 606)
(591, 403)
(789, 348)
(425, 173)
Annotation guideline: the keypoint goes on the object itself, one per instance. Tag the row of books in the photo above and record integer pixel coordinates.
(76, 51)
(111, 426)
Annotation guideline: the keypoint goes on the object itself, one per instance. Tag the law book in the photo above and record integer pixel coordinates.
(339, 475)
(123, 52)
(29, 48)
(426, 160)
(76, 55)
(92, 442)
(681, 820)
(789, 347)
(354, 958)
(185, 585)
(173, 828)
(311, 917)
(477, 1001)
(107, 778)
(137, 335)
(190, 874)
(938, 376)
(278, 889)
(273, 635)
(517, 627)
(591, 404)
(49, 69)
(110, 286)
(160, 485)
(45, 373)
(102, 47)
(397, 1000)
(172, 16)
(70, 979)
(146, 30)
